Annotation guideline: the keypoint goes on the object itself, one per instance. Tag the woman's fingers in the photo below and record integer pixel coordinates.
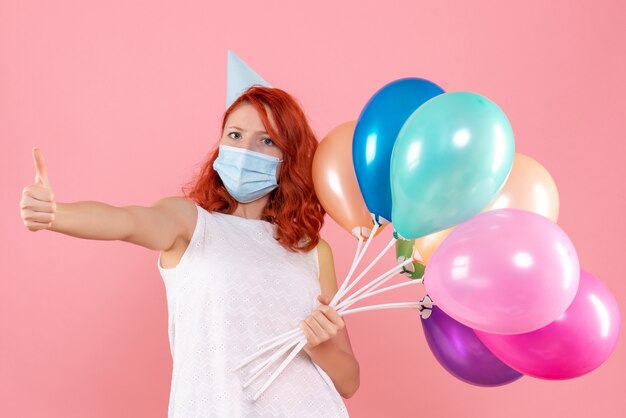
(322, 324)
(333, 316)
(323, 299)
(311, 337)
(318, 328)
(42, 217)
(35, 220)
(39, 193)
(317, 333)
(322, 321)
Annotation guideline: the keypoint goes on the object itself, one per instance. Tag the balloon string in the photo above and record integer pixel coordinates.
(278, 371)
(259, 369)
(397, 305)
(339, 295)
(287, 337)
(357, 259)
(351, 301)
(379, 280)
(278, 337)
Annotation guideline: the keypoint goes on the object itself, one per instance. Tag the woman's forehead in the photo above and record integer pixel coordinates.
(246, 117)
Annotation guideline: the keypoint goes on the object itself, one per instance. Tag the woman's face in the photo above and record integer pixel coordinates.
(244, 129)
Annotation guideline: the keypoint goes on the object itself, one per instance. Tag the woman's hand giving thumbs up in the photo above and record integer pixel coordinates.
(38, 206)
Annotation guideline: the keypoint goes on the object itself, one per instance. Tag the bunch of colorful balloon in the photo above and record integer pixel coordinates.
(475, 223)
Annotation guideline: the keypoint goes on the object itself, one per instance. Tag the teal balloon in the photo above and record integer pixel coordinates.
(451, 158)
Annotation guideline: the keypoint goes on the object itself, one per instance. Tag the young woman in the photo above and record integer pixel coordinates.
(242, 261)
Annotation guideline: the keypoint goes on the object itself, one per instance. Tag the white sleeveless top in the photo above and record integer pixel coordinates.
(234, 287)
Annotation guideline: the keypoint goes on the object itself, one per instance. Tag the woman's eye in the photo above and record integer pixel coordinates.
(268, 141)
(236, 133)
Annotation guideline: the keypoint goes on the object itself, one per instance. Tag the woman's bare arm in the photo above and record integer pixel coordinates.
(91, 220)
(157, 227)
(160, 226)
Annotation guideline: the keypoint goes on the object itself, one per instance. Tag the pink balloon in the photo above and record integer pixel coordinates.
(506, 271)
(576, 343)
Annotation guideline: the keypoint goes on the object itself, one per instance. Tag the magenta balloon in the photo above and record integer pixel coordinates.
(506, 271)
(576, 343)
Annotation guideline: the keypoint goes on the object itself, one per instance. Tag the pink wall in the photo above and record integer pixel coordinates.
(124, 98)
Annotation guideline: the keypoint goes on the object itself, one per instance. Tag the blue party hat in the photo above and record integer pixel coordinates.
(239, 77)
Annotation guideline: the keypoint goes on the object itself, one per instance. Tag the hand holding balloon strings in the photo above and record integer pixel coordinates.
(296, 336)
(269, 344)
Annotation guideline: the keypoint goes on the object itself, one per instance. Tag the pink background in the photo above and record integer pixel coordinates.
(125, 98)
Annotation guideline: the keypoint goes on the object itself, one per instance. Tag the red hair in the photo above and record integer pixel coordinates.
(293, 206)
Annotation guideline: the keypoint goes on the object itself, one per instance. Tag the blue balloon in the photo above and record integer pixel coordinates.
(375, 134)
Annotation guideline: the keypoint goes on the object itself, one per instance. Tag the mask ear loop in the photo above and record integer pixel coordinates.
(280, 161)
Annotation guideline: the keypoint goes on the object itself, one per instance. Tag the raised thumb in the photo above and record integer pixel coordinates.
(41, 175)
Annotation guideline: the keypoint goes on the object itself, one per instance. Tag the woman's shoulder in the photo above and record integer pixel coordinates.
(323, 253)
(323, 246)
(186, 210)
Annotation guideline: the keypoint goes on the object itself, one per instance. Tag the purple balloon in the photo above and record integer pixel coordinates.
(576, 343)
(505, 271)
(462, 354)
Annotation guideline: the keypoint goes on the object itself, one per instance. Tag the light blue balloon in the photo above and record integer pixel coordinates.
(450, 159)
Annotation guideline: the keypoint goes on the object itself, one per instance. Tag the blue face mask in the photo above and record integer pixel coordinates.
(247, 175)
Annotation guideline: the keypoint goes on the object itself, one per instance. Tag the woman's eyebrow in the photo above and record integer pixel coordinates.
(238, 128)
